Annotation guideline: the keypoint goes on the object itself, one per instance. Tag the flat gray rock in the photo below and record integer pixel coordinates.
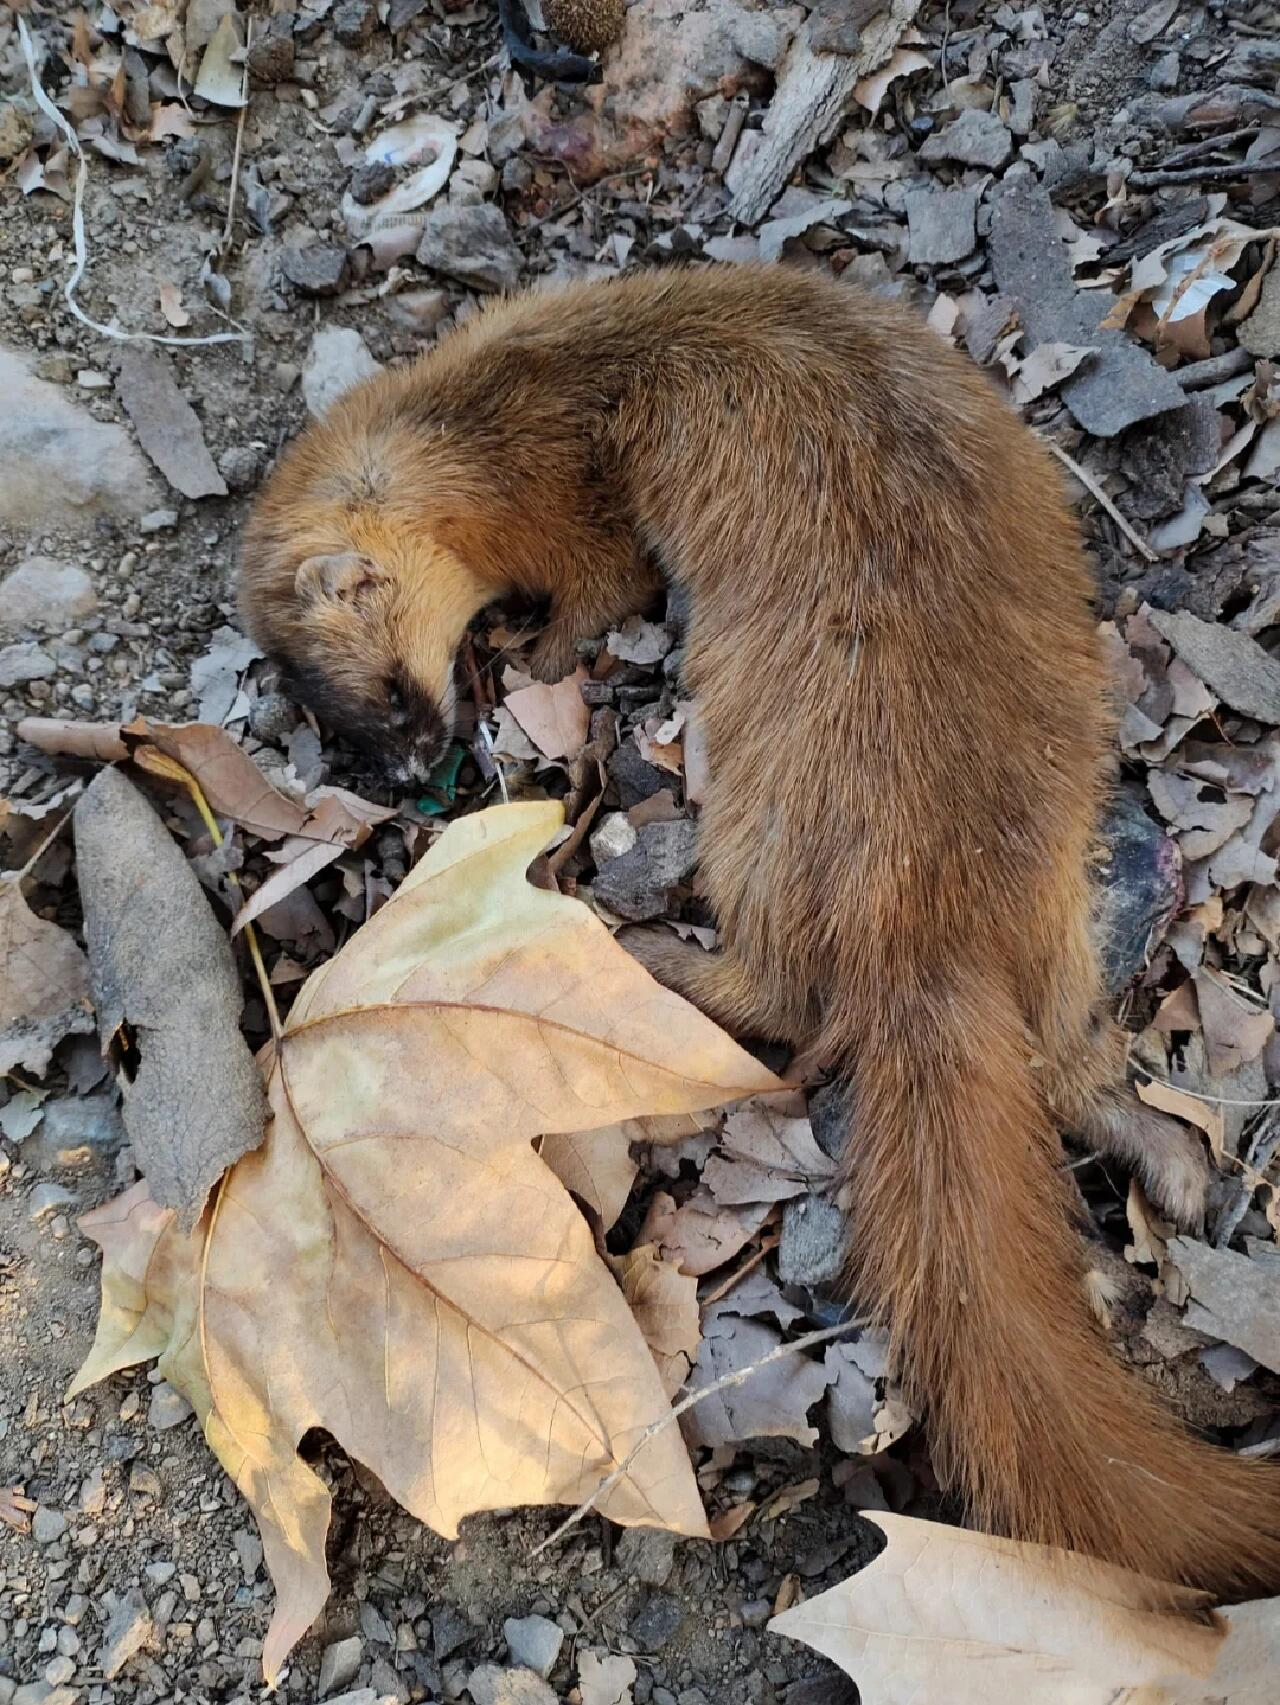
(976, 138)
(471, 244)
(940, 224)
(1117, 386)
(1231, 664)
(636, 884)
(60, 465)
(42, 592)
(1233, 1298)
(338, 359)
(533, 1642)
(25, 662)
(167, 426)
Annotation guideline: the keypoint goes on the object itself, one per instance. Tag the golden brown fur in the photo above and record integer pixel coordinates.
(892, 651)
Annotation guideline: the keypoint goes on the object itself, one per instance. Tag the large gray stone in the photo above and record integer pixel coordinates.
(533, 1642)
(471, 244)
(59, 464)
(337, 360)
(26, 662)
(43, 593)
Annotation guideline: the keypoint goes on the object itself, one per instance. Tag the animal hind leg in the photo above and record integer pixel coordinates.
(1083, 1053)
(720, 984)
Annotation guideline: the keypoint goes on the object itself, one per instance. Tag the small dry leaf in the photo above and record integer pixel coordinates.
(701, 1235)
(15, 1510)
(638, 641)
(168, 428)
(731, 1521)
(768, 1154)
(1150, 1233)
(1235, 1030)
(396, 1265)
(605, 1680)
(1193, 1108)
(788, 1498)
(788, 1594)
(164, 978)
(168, 120)
(230, 780)
(871, 91)
(946, 1614)
(596, 1165)
(44, 984)
(171, 306)
(665, 1303)
(554, 718)
(220, 80)
(774, 1402)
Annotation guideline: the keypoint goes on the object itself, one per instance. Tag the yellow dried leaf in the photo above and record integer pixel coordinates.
(665, 1303)
(946, 1614)
(396, 1264)
(1204, 1115)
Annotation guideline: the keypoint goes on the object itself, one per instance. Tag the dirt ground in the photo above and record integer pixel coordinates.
(137, 1533)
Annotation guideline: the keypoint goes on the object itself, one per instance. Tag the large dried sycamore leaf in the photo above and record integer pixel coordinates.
(947, 1617)
(396, 1264)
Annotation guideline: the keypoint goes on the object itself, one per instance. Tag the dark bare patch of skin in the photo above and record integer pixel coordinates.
(401, 738)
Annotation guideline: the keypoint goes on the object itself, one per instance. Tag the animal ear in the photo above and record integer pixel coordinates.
(340, 578)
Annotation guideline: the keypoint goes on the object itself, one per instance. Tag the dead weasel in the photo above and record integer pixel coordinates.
(906, 716)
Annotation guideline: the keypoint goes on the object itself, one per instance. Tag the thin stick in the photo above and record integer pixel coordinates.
(43, 848)
(1091, 485)
(749, 1265)
(1227, 174)
(673, 1414)
(1198, 1095)
(225, 244)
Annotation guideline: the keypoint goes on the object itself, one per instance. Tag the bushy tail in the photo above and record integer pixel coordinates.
(961, 1238)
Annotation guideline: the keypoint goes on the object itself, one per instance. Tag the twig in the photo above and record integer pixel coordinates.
(749, 1265)
(55, 117)
(1197, 375)
(1198, 1095)
(225, 244)
(1206, 145)
(42, 849)
(1091, 485)
(1228, 174)
(159, 763)
(738, 1377)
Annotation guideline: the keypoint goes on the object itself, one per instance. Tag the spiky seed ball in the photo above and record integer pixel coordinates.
(587, 26)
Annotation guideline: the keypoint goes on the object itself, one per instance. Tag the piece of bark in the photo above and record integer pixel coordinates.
(168, 999)
(815, 90)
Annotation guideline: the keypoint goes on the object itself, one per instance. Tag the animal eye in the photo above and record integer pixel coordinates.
(396, 701)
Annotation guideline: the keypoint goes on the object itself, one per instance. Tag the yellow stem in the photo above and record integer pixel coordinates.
(160, 763)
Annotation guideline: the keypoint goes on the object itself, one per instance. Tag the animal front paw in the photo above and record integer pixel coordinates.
(1173, 1168)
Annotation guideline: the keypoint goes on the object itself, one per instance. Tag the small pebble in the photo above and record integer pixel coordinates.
(47, 1525)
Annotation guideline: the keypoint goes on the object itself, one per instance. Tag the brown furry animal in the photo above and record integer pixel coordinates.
(893, 655)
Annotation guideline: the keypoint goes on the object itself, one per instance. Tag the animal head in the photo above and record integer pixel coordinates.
(345, 584)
